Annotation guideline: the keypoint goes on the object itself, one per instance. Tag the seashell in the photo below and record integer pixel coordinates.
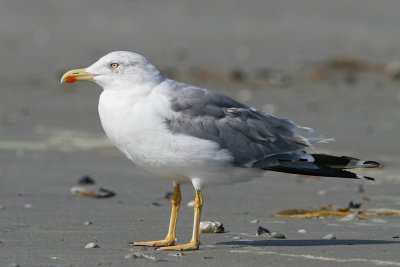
(262, 230)
(329, 237)
(207, 227)
(302, 231)
(92, 245)
(82, 191)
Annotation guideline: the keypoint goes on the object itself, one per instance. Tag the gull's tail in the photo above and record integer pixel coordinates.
(326, 166)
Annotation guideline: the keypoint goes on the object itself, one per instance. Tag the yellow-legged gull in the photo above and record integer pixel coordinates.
(189, 134)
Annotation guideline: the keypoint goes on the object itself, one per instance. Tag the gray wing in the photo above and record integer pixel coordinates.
(254, 138)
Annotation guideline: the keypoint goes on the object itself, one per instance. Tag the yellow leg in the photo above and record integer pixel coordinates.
(171, 236)
(195, 241)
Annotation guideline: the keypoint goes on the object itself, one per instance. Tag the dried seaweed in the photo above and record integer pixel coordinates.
(330, 211)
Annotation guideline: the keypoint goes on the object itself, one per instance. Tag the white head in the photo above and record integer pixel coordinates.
(117, 70)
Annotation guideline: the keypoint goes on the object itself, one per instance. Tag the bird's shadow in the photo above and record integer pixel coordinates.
(303, 242)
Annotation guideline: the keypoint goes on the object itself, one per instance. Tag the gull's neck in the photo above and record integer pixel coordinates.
(137, 85)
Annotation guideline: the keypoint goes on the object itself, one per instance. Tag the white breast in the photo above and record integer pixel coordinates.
(135, 125)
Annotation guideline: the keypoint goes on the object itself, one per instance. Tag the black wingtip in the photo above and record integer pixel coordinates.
(369, 178)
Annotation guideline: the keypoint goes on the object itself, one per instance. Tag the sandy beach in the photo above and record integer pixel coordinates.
(331, 67)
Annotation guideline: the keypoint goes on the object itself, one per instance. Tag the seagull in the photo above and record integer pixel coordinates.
(189, 134)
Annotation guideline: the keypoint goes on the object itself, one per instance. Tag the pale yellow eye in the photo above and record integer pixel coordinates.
(114, 65)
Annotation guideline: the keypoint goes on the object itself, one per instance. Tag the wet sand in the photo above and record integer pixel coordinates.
(50, 134)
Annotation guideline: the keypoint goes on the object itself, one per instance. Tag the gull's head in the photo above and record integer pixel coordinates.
(119, 69)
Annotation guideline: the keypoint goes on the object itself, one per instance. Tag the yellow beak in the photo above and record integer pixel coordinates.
(77, 75)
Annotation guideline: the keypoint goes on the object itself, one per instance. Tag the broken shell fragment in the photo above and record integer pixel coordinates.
(207, 227)
(91, 245)
(262, 230)
(302, 231)
(82, 191)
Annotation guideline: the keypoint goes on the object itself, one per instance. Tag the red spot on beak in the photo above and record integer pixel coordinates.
(70, 79)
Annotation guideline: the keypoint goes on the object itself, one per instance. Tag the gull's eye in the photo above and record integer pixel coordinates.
(114, 65)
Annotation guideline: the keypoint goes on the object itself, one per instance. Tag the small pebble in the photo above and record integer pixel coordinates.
(353, 205)
(190, 204)
(92, 245)
(262, 230)
(321, 192)
(54, 258)
(14, 265)
(329, 237)
(236, 238)
(278, 235)
(396, 236)
(156, 204)
(28, 206)
(87, 223)
(302, 231)
(86, 180)
(208, 258)
(254, 221)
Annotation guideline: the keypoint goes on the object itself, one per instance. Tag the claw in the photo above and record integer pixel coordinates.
(189, 246)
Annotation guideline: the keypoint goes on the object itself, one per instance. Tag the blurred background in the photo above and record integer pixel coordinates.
(333, 65)
(330, 65)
